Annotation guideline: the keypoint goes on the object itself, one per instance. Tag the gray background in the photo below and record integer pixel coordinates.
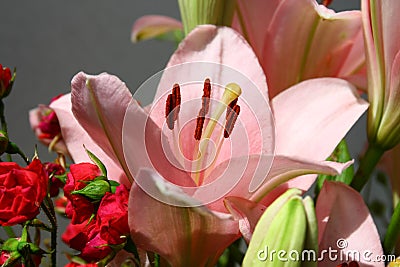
(49, 41)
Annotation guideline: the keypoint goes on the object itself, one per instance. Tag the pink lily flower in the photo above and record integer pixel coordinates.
(382, 39)
(306, 39)
(345, 225)
(310, 119)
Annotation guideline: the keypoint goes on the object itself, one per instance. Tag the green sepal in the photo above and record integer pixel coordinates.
(340, 154)
(10, 244)
(97, 161)
(95, 190)
(113, 185)
(62, 177)
(12, 148)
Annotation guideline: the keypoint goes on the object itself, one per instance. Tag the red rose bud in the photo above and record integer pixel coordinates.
(79, 208)
(53, 170)
(6, 81)
(22, 191)
(45, 124)
(3, 142)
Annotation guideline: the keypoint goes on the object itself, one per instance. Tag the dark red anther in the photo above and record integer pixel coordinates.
(205, 104)
(176, 92)
(343, 265)
(354, 264)
(230, 107)
(169, 111)
(199, 125)
(230, 121)
(327, 2)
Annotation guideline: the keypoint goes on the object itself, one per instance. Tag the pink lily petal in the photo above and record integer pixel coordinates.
(302, 37)
(247, 22)
(76, 137)
(342, 215)
(151, 26)
(94, 105)
(241, 171)
(208, 43)
(315, 112)
(145, 146)
(246, 212)
(390, 31)
(193, 236)
(219, 45)
(388, 164)
(123, 256)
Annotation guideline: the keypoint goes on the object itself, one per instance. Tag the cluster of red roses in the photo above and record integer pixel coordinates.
(99, 219)
(96, 206)
(99, 215)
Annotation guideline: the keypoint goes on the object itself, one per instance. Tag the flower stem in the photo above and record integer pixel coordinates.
(48, 209)
(367, 166)
(4, 124)
(393, 231)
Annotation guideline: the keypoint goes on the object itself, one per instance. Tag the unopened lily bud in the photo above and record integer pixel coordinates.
(284, 231)
(197, 12)
(94, 190)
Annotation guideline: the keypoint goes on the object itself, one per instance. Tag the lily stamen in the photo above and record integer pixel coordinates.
(232, 92)
(172, 106)
(205, 105)
(169, 111)
(231, 118)
(176, 92)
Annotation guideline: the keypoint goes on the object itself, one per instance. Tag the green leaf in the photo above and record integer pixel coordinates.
(340, 154)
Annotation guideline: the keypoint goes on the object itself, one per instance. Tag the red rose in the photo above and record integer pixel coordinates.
(106, 228)
(79, 208)
(55, 183)
(73, 264)
(22, 190)
(77, 235)
(45, 124)
(112, 216)
(4, 256)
